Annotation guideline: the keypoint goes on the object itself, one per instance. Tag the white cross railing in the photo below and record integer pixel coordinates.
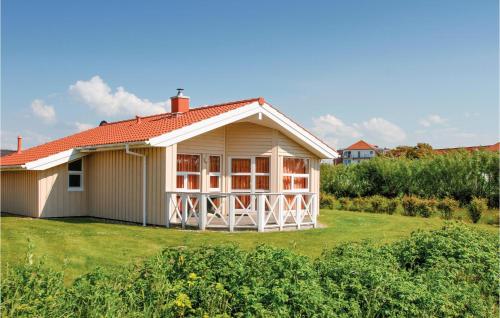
(237, 211)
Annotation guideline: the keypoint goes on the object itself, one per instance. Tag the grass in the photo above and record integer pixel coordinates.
(85, 243)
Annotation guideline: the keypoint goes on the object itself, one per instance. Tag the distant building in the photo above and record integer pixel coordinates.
(5, 152)
(358, 152)
(494, 147)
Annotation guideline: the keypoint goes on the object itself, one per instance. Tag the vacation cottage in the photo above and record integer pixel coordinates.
(236, 165)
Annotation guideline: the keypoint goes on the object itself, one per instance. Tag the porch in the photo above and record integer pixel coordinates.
(259, 211)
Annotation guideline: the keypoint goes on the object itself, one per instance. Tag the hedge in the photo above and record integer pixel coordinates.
(459, 175)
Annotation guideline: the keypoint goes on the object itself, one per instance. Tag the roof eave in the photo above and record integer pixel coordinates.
(12, 167)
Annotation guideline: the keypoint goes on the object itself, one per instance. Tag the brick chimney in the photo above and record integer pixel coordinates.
(19, 144)
(179, 103)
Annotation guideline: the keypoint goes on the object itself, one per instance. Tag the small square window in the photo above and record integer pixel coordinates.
(75, 181)
(75, 175)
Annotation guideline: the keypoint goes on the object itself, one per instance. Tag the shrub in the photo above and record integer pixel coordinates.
(458, 174)
(424, 207)
(378, 203)
(326, 201)
(450, 272)
(447, 206)
(360, 204)
(410, 205)
(476, 208)
(345, 204)
(392, 205)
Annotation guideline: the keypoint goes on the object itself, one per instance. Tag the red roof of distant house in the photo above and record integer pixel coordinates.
(361, 145)
(123, 131)
(494, 147)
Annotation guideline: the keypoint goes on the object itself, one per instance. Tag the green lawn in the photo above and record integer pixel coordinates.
(86, 243)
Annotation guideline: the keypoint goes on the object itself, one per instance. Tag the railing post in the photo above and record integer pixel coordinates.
(184, 199)
(168, 197)
(314, 208)
(298, 217)
(261, 213)
(203, 212)
(280, 211)
(232, 205)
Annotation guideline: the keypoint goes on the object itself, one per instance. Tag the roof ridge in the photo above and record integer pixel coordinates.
(192, 109)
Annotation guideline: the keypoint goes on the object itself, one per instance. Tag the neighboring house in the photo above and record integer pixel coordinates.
(5, 152)
(235, 165)
(358, 152)
(493, 148)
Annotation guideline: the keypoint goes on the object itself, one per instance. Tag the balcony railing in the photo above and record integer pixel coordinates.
(240, 211)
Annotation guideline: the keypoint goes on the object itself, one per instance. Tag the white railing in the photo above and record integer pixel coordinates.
(237, 211)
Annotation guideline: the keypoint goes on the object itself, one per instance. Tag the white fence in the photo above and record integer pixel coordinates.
(238, 211)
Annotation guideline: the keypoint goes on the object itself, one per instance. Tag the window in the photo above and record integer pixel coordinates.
(262, 174)
(295, 174)
(188, 172)
(249, 175)
(75, 175)
(241, 174)
(214, 175)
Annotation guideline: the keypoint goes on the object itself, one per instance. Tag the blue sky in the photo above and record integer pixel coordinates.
(389, 72)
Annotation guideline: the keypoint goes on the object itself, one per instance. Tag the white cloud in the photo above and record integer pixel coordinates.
(380, 129)
(43, 111)
(339, 134)
(30, 138)
(99, 96)
(432, 119)
(83, 126)
(332, 130)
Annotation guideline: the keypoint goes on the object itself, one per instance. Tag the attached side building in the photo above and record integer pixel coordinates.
(194, 164)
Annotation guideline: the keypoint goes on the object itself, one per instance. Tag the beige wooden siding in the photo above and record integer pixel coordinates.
(54, 199)
(288, 147)
(211, 142)
(315, 166)
(20, 192)
(115, 185)
(247, 139)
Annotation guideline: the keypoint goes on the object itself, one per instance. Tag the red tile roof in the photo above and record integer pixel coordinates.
(494, 147)
(124, 131)
(360, 145)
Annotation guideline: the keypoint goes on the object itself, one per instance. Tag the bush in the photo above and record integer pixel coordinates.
(447, 206)
(361, 204)
(345, 204)
(476, 208)
(392, 205)
(458, 174)
(326, 201)
(451, 272)
(410, 205)
(425, 208)
(378, 204)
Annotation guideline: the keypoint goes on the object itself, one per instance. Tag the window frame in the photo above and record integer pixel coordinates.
(296, 175)
(215, 174)
(76, 173)
(185, 174)
(253, 174)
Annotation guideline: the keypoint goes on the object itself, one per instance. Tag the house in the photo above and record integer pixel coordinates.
(235, 165)
(493, 148)
(358, 152)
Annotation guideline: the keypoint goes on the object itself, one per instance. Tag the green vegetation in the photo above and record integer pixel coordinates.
(85, 243)
(476, 208)
(446, 208)
(459, 175)
(451, 272)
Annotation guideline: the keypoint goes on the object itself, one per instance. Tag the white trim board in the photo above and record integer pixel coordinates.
(307, 140)
(297, 133)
